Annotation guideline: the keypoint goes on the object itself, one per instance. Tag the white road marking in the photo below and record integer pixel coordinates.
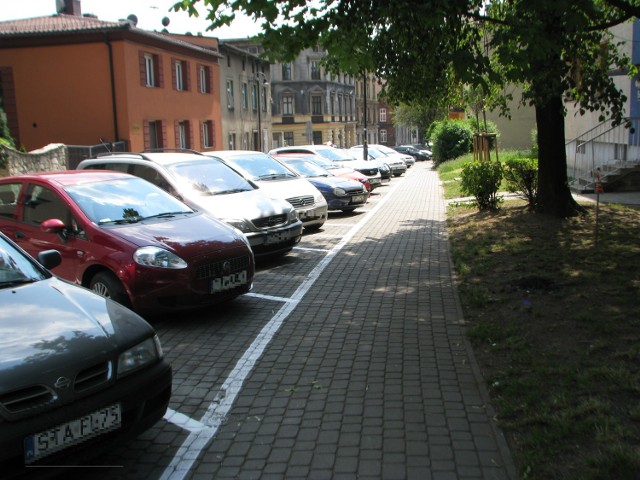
(199, 438)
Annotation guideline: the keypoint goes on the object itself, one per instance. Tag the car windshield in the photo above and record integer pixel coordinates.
(385, 149)
(127, 200)
(306, 168)
(15, 268)
(209, 177)
(371, 151)
(334, 154)
(260, 166)
(324, 163)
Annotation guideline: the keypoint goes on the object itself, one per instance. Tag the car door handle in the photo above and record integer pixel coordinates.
(19, 235)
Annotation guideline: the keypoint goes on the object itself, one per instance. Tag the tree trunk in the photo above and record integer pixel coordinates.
(554, 195)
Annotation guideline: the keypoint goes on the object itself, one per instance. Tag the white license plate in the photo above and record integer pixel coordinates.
(228, 282)
(277, 237)
(375, 181)
(357, 199)
(58, 438)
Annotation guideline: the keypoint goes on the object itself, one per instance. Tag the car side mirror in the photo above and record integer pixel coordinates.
(50, 258)
(55, 225)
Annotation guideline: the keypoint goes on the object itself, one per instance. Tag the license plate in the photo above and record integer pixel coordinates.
(375, 181)
(228, 282)
(357, 199)
(277, 237)
(71, 433)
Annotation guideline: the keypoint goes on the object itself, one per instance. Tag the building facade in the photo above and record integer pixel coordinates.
(245, 83)
(77, 80)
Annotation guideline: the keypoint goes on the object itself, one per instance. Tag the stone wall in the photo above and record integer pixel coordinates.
(53, 157)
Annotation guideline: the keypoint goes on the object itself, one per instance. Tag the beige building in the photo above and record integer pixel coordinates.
(245, 93)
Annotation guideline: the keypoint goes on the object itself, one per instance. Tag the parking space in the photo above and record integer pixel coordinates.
(213, 350)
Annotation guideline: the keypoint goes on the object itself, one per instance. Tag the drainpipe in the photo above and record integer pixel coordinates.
(114, 107)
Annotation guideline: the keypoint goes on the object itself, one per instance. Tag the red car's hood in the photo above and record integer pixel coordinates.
(195, 232)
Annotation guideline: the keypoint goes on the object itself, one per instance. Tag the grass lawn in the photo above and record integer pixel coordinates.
(553, 314)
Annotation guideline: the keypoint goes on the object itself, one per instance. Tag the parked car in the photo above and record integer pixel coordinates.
(418, 155)
(374, 172)
(397, 164)
(127, 239)
(78, 373)
(426, 149)
(332, 167)
(340, 193)
(207, 184)
(280, 181)
(408, 159)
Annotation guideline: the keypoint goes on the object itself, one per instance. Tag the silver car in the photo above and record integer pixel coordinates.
(207, 184)
(281, 181)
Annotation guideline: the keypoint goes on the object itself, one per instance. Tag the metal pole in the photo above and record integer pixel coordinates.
(259, 123)
(365, 150)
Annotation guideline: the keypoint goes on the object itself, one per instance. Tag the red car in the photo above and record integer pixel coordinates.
(126, 239)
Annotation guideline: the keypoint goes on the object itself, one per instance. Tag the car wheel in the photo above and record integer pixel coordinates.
(108, 285)
(397, 174)
(348, 210)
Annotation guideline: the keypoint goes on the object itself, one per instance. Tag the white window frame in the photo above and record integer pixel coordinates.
(149, 70)
(179, 76)
(230, 102)
(383, 114)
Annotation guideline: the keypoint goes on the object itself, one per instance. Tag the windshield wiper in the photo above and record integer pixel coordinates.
(15, 283)
(166, 214)
(275, 176)
(121, 221)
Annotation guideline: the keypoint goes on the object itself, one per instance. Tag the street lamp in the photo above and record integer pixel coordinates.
(259, 87)
(365, 149)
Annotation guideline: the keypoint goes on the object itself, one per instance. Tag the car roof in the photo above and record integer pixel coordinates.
(69, 177)
(161, 158)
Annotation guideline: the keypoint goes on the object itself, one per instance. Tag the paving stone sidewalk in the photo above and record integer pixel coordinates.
(371, 377)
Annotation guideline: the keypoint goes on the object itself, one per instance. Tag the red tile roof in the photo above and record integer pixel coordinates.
(58, 24)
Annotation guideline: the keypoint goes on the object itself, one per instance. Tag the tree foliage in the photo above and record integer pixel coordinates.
(425, 49)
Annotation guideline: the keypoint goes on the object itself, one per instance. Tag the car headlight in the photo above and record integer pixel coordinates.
(158, 257)
(143, 354)
(319, 198)
(238, 223)
(339, 192)
(293, 215)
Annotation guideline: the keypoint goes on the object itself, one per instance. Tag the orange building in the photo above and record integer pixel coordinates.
(78, 80)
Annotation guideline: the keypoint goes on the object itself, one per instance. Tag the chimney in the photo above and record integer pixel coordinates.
(69, 7)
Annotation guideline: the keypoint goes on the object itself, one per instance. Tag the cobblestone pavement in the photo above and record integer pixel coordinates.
(367, 373)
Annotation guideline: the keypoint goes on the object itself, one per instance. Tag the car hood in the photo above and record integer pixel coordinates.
(41, 340)
(333, 182)
(288, 188)
(355, 164)
(196, 233)
(250, 205)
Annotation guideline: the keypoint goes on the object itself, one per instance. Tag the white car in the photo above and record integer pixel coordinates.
(270, 224)
(278, 180)
(371, 170)
(395, 162)
(408, 159)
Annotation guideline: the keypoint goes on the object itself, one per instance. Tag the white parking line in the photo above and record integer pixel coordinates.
(312, 249)
(267, 297)
(199, 438)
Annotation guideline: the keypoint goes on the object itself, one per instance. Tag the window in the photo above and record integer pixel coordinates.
(245, 96)
(383, 114)
(317, 137)
(231, 141)
(383, 136)
(286, 71)
(44, 204)
(153, 134)
(288, 139)
(178, 73)
(207, 134)
(150, 73)
(316, 105)
(204, 79)
(183, 134)
(287, 105)
(8, 196)
(263, 99)
(620, 152)
(315, 71)
(254, 97)
(230, 94)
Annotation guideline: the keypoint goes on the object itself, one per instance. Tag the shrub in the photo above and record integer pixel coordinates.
(521, 175)
(451, 138)
(482, 180)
